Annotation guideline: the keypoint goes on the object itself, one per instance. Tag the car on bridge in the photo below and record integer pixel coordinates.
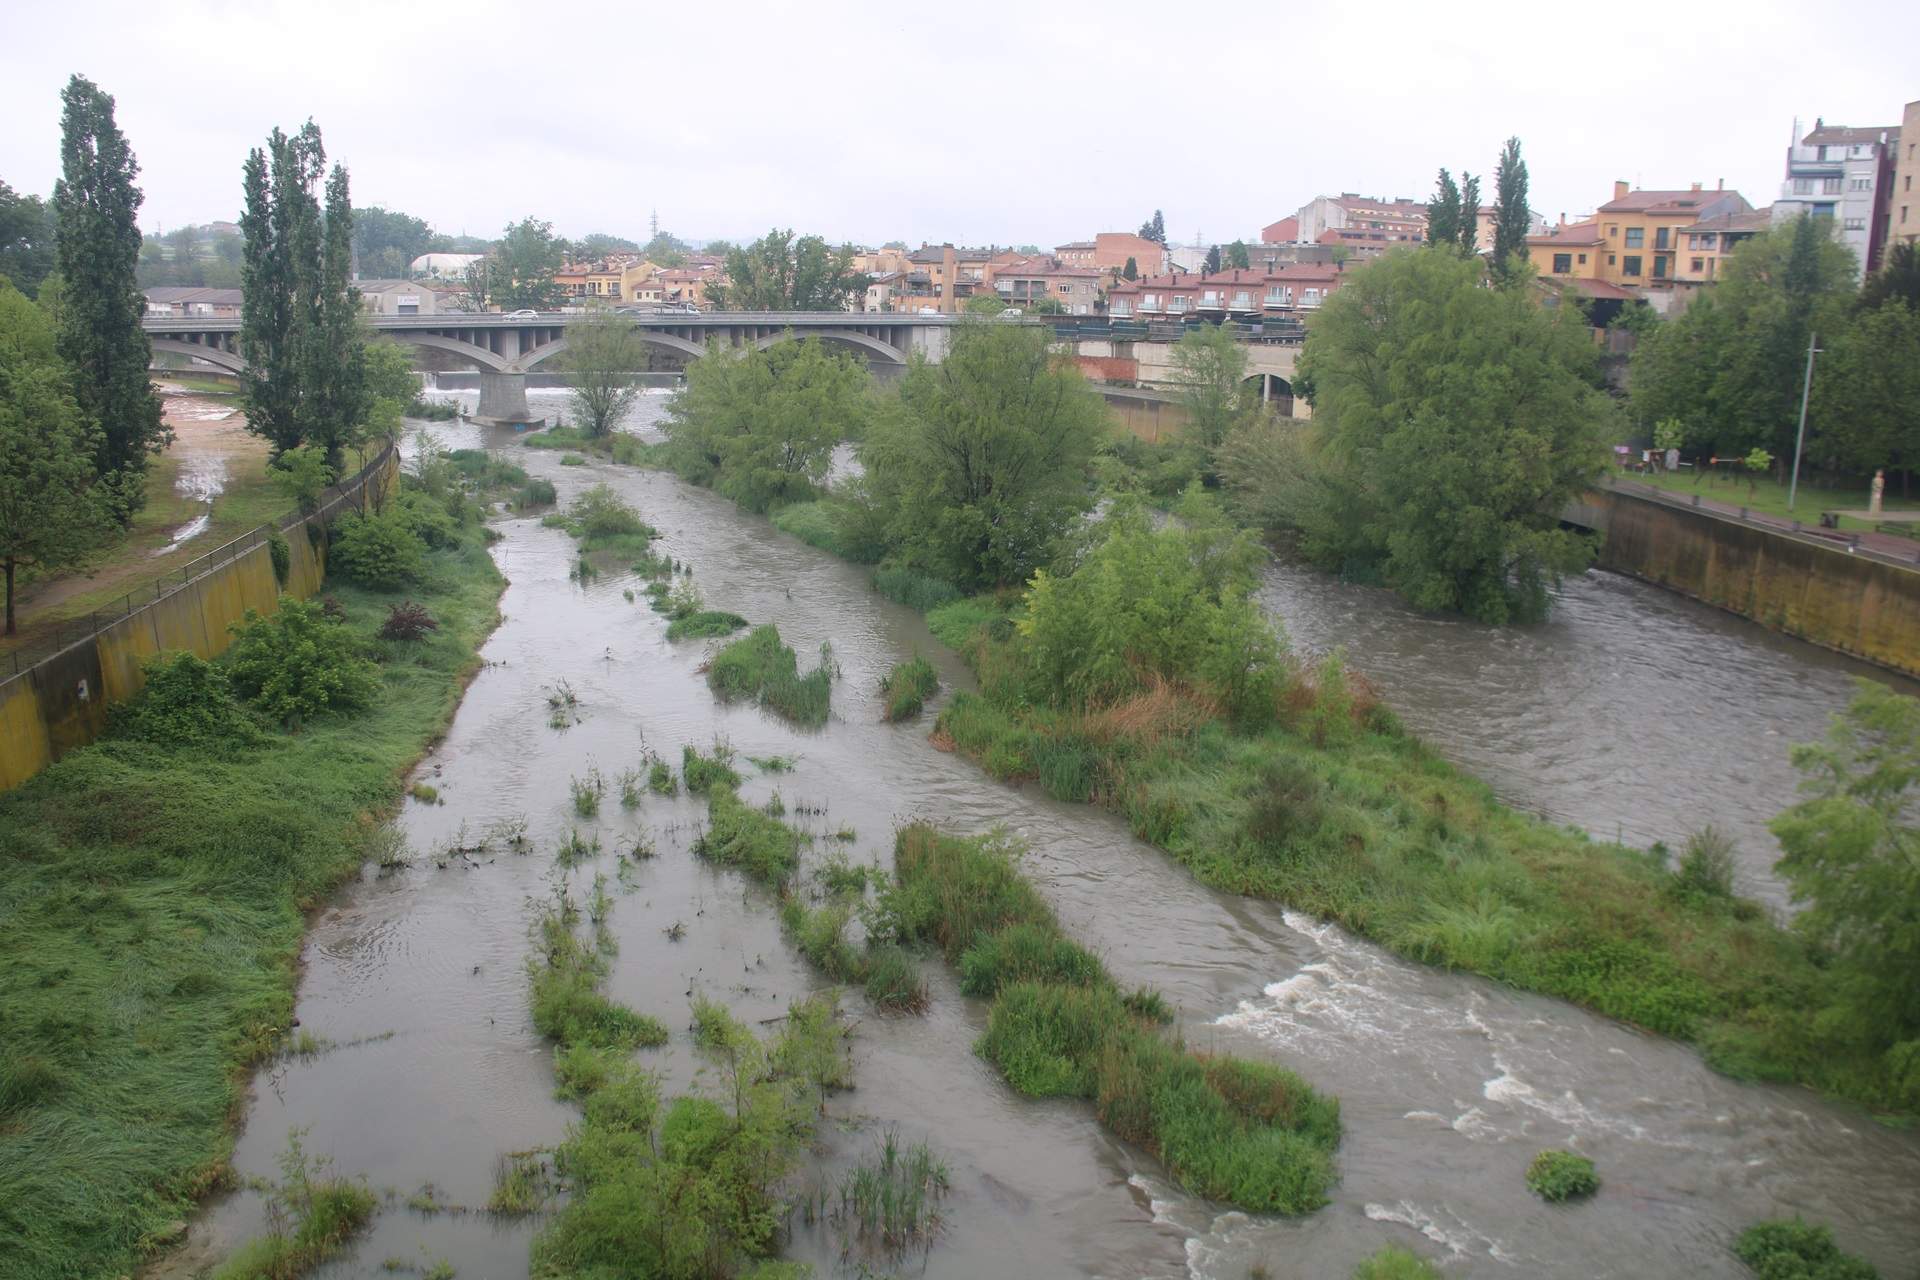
(524, 313)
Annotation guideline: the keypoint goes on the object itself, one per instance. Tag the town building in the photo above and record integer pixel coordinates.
(688, 286)
(1240, 294)
(1707, 244)
(443, 266)
(1285, 231)
(398, 297)
(185, 301)
(1076, 289)
(1846, 174)
(1633, 240)
(1364, 224)
(597, 281)
(873, 262)
(1903, 202)
(880, 291)
(1487, 219)
(1109, 251)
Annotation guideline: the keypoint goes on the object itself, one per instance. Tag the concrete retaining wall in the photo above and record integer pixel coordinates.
(61, 702)
(1867, 608)
(1152, 415)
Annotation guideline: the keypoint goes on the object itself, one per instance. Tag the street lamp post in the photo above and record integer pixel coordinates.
(1800, 440)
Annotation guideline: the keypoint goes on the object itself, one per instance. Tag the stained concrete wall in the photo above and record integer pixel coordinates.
(61, 702)
(1859, 606)
(1152, 415)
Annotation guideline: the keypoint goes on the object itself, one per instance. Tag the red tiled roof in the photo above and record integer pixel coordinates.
(1571, 233)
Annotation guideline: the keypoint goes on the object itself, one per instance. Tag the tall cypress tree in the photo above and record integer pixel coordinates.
(1511, 215)
(1443, 213)
(98, 247)
(1469, 214)
(337, 363)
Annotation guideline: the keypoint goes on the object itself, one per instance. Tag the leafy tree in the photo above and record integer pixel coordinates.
(982, 460)
(1211, 263)
(1047, 307)
(298, 663)
(779, 273)
(334, 397)
(1866, 391)
(1852, 858)
(1443, 213)
(477, 286)
(521, 270)
(1154, 228)
(1209, 368)
(1511, 216)
(1731, 365)
(985, 304)
(761, 426)
(385, 242)
(50, 512)
(1898, 278)
(1469, 230)
(96, 204)
(598, 245)
(1132, 270)
(27, 237)
(669, 250)
(1452, 424)
(604, 351)
(302, 475)
(1238, 257)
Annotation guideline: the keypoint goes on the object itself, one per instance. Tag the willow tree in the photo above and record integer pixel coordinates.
(604, 351)
(97, 242)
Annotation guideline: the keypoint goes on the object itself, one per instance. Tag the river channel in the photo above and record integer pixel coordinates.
(1632, 711)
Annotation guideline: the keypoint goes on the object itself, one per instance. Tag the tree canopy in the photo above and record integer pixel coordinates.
(1452, 424)
(981, 461)
(520, 270)
(385, 242)
(1154, 228)
(1511, 216)
(1209, 369)
(97, 204)
(27, 234)
(604, 351)
(778, 272)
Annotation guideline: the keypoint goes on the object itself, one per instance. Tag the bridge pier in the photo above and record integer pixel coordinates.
(503, 400)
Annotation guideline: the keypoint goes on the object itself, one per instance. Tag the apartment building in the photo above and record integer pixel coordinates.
(1077, 289)
(1366, 224)
(1903, 199)
(1241, 294)
(1633, 240)
(1109, 251)
(1846, 174)
(1706, 245)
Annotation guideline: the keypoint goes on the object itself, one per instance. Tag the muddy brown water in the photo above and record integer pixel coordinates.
(1448, 1084)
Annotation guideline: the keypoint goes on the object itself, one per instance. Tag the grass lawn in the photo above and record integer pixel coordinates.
(1770, 497)
(152, 901)
(250, 500)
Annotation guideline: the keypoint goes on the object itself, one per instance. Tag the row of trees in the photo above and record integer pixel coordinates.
(1453, 213)
(78, 415)
(1726, 376)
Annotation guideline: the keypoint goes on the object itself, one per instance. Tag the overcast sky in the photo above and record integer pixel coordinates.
(980, 122)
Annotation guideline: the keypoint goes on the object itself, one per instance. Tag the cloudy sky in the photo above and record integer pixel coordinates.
(983, 122)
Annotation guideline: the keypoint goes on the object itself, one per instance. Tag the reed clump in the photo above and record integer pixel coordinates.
(759, 668)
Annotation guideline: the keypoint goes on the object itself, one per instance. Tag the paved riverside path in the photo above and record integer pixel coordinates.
(1891, 546)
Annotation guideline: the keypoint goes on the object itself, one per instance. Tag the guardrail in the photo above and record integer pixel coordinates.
(1831, 539)
(74, 631)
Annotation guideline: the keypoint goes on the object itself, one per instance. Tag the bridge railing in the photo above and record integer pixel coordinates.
(73, 631)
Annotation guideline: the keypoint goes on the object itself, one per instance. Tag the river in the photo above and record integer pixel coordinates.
(1630, 708)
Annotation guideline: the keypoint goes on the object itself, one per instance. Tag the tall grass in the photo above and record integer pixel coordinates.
(1246, 1132)
(742, 837)
(914, 589)
(889, 1203)
(907, 688)
(153, 917)
(311, 1212)
(704, 624)
(758, 667)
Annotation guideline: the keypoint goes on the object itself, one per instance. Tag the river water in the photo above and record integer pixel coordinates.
(1631, 707)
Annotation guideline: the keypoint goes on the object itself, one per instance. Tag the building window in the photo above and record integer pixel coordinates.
(1863, 184)
(1660, 239)
(1802, 186)
(1242, 299)
(1631, 267)
(1856, 224)
(1659, 266)
(1612, 231)
(1122, 307)
(1150, 303)
(1583, 259)
(1829, 186)
(1636, 237)
(1311, 298)
(1612, 259)
(1562, 263)
(1698, 265)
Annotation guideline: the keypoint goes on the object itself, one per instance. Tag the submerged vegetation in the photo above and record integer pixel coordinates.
(1561, 1175)
(1246, 1132)
(156, 880)
(1789, 1249)
(907, 688)
(759, 668)
(311, 1212)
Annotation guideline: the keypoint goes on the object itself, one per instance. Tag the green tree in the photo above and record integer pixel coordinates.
(982, 461)
(391, 387)
(27, 239)
(385, 242)
(520, 273)
(1154, 228)
(96, 205)
(50, 512)
(604, 351)
(1238, 257)
(985, 304)
(1898, 278)
(1047, 307)
(1852, 858)
(1443, 213)
(1452, 424)
(669, 250)
(1731, 365)
(1469, 230)
(1511, 216)
(1132, 270)
(1866, 391)
(1211, 263)
(760, 427)
(1210, 368)
(780, 273)
(334, 397)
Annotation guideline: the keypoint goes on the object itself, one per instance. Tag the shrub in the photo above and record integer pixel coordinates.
(1561, 1175)
(758, 667)
(1706, 867)
(281, 555)
(568, 1006)
(907, 688)
(378, 551)
(600, 513)
(1783, 1249)
(1395, 1263)
(741, 836)
(184, 702)
(702, 773)
(407, 621)
(1046, 1040)
(914, 589)
(297, 664)
(706, 623)
(537, 492)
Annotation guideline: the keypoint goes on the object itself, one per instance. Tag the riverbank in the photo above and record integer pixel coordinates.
(154, 899)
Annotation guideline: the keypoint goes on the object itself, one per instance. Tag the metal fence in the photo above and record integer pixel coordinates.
(82, 630)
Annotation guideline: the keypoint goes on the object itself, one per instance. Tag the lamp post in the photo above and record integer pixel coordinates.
(1800, 440)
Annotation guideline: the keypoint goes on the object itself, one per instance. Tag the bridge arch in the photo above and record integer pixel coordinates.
(487, 361)
(874, 346)
(214, 356)
(666, 341)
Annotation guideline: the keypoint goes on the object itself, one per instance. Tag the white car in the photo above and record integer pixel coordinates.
(1010, 313)
(524, 313)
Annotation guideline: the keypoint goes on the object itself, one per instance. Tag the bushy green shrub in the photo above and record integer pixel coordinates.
(702, 773)
(537, 492)
(1789, 1249)
(298, 663)
(704, 624)
(1706, 865)
(741, 836)
(1395, 1263)
(380, 551)
(758, 666)
(1026, 953)
(892, 980)
(907, 688)
(568, 1006)
(184, 702)
(1561, 1175)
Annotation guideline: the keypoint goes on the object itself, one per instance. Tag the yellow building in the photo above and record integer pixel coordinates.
(1636, 240)
(1706, 245)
